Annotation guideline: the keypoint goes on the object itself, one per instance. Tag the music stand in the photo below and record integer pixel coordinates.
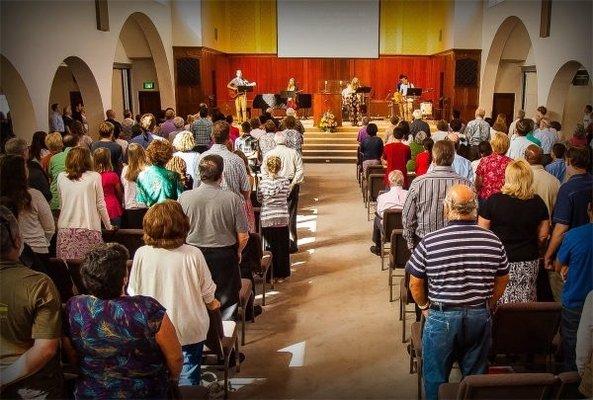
(244, 89)
(285, 94)
(364, 89)
(414, 92)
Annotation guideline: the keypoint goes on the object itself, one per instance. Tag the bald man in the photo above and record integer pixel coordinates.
(467, 272)
(545, 184)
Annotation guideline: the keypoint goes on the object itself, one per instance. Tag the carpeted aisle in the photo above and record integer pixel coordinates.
(333, 313)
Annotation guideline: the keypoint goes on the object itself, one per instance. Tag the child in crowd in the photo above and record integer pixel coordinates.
(176, 164)
(557, 167)
(273, 194)
(112, 189)
(424, 159)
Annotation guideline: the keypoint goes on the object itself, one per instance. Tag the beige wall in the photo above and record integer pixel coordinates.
(25, 38)
(142, 70)
(576, 100)
(117, 100)
(62, 85)
(509, 80)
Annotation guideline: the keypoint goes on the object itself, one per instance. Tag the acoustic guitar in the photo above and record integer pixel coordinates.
(234, 93)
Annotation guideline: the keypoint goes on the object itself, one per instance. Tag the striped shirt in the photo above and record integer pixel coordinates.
(460, 263)
(423, 209)
(273, 194)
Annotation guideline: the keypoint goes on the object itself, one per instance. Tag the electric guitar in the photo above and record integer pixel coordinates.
(234, 93)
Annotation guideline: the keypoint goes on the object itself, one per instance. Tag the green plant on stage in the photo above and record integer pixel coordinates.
(328, 123)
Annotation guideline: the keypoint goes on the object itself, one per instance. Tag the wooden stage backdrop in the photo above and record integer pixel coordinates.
(436, 72)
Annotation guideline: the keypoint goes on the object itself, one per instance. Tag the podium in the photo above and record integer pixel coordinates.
(328, 98)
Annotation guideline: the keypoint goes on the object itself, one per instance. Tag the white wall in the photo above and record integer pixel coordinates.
(142, 70)
(36, 49)
(63, 84)
(117, 98)
(509, 80)
(467, 26)
(576, 100)
(571, 38)
(186, 18)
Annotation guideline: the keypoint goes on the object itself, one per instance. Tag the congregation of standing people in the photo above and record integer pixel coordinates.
(199, 188)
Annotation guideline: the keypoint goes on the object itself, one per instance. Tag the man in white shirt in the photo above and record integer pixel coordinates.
(56, 122)
(394, 199)
(519, 142)
(292, 169)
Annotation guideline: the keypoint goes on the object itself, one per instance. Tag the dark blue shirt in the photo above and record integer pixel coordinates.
(576, 251)
(143, 140)
(573, 199)
(372, 148)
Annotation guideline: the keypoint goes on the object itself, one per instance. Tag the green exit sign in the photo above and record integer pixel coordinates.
(148, 85)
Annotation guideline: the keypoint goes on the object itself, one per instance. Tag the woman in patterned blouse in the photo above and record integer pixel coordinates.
(124, 346)
(490, 171)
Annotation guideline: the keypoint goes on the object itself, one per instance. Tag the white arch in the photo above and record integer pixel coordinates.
(559, 89)
(21, 108)
(159, 56)
(492, 61)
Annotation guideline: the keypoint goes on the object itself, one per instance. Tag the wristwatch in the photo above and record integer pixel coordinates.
(424, 307)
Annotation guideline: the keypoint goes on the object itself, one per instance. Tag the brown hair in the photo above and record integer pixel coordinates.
(442, 125)
(78, 161)
(220, 132)
(136, 161)
(270, 126)
(102, 160)
(106, 129)
(443, 153)
(165, 225)
(290, 122)
(178, 165)
(159, 152)
(147, 122)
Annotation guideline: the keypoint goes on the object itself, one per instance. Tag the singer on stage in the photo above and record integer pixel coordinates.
(240, 98)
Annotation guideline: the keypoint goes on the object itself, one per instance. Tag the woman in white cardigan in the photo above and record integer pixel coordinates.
(177, 276)
(83, 206)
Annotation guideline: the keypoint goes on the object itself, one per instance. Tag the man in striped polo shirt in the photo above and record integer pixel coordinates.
(467, 272)
(423, 209)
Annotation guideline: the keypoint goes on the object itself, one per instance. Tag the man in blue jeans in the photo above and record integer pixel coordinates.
(575, 264)
(467, 271)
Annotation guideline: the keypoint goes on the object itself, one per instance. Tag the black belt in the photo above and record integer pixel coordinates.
(453, 307)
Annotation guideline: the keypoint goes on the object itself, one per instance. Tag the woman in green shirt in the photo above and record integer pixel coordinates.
(415, 148)
(155, 183)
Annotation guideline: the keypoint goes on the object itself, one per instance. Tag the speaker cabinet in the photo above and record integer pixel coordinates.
(466, 72)
(188, 71)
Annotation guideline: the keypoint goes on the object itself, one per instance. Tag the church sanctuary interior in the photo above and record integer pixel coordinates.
(296, 199)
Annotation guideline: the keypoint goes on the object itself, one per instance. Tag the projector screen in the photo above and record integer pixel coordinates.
(328, 28)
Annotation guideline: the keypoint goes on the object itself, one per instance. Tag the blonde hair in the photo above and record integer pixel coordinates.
(500, 143)
(518, 180)
(54, 143)
(136, 161)
(102, 160)
(274, 164)
(184, 141)
(396, 178)
(178, 165)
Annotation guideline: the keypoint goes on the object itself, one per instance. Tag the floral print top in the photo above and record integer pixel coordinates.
(119, 357)
(491, 171)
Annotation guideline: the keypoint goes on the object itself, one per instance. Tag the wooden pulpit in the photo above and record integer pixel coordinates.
(323, 102)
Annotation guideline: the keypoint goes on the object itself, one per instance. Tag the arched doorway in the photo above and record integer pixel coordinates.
(15, 100)
(571, 90)
(141, 76)
(75, 83)
(509, 80)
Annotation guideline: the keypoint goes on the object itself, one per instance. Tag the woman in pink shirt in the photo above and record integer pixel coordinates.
(112, 189)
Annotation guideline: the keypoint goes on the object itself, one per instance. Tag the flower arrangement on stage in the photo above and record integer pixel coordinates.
(328, 122)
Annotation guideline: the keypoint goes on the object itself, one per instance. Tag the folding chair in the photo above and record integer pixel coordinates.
(371, 169)
(359, 166)
(392, 219)
(375, 185)
(500, 386)
(405, 298)
(415, 351)
(525, 329)
(399, 256)
(131, 239)
(221, 341)
(246, 297)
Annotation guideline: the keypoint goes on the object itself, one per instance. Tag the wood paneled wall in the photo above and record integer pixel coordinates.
(272, 73)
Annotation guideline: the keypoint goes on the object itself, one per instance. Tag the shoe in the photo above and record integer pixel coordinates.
(375, 250)
(293, 248)
(257, 310)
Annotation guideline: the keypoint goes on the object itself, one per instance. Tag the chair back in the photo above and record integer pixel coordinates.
(74, 268)
(131, 239)
(252, 254)
(376, 184)
(507, 386)
(215, 333)
(62, 278)
(399, 248)
(392, 219)
(568, 387)
(525, 328)
(374, 169)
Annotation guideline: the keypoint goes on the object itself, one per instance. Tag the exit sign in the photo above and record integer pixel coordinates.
(148, 85)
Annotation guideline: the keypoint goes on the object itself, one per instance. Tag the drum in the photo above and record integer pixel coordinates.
(426, 108)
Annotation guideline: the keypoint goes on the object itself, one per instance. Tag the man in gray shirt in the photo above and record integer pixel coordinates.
(218, 227)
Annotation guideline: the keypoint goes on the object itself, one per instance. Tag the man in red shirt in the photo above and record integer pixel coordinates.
(395, 155)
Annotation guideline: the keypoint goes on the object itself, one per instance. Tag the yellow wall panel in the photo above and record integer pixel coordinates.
(415, 27)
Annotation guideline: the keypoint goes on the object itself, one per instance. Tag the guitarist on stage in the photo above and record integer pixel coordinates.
(240, 98)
